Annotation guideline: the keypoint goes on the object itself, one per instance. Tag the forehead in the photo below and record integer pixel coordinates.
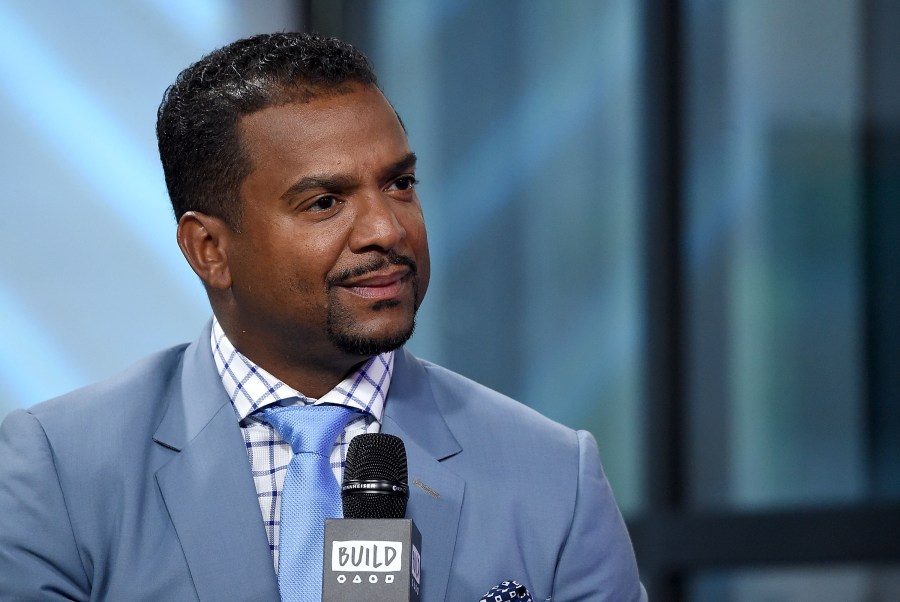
(353, 128)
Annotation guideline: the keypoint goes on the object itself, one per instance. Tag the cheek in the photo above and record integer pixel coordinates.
(423, 258)
(414, 224)
(308, 268)
(424, 270)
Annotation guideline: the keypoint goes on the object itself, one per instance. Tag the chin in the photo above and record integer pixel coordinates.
(382, 327)
(370, 344)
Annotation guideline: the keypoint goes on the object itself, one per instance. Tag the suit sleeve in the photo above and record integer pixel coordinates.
(39, 558)
(597, 560)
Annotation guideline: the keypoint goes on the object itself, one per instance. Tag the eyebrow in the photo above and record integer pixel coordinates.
(341, 182)
(407, 163)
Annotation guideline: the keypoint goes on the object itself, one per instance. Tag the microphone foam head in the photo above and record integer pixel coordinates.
(375, 479)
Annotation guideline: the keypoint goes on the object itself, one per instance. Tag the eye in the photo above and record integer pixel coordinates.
(404, 183)
(323, 203)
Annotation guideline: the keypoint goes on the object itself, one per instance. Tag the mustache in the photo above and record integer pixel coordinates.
(391, 258)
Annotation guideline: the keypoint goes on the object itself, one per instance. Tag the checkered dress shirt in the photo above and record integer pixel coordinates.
(252, 388)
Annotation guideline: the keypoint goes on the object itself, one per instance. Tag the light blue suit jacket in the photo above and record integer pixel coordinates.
(139, 488)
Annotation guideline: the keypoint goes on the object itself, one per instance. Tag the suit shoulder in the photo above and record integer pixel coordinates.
(137, 387)
(484, 409)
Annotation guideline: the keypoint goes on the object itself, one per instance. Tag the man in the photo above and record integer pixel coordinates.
(294, 188)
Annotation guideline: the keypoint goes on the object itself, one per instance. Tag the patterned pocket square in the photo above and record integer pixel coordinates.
(506, 591)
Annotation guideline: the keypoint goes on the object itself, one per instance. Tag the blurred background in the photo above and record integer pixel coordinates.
(674, 224)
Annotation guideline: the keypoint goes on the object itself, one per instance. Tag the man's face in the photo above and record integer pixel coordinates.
(331, 261)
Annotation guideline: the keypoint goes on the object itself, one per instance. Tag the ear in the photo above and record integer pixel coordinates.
(204, 242)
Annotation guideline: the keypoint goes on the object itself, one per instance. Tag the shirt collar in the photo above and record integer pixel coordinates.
(250, 387)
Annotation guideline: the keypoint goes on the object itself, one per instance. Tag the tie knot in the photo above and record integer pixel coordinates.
(309, 429)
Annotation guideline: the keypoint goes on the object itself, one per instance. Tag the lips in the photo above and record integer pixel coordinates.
(380, 285)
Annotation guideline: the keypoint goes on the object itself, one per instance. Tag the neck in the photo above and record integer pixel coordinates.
(311, 372)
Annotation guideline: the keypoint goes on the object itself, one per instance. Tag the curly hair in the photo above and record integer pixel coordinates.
(197, 121)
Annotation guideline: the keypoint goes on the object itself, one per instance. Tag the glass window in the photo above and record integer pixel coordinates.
(773, 214)
(91, 277)
(840, 583)
(524, 117)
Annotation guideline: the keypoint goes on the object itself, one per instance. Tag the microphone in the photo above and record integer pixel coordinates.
(372, 554)
(507, 591)
(375, 479)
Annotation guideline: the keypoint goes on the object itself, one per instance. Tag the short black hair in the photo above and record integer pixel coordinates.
(197, 121)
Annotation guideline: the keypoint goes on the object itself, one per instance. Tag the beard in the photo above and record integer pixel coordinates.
(343, 328)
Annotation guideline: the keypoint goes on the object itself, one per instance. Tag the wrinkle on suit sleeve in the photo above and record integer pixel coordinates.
(597, 560)
(39, 557)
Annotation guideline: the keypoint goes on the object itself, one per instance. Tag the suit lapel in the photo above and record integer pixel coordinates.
(208, 489)
(210, 496)
(436, 493)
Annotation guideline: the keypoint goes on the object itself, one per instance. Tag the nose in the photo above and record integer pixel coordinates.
(376, 225)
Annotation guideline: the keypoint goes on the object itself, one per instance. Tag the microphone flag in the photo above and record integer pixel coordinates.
(373, 553)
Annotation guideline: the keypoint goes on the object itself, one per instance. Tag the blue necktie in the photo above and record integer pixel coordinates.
(310, 495)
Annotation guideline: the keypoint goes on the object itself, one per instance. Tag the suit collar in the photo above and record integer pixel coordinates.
(199, 398)
(208, 489)
(436, 492)
(411, 405)
(209, 492)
